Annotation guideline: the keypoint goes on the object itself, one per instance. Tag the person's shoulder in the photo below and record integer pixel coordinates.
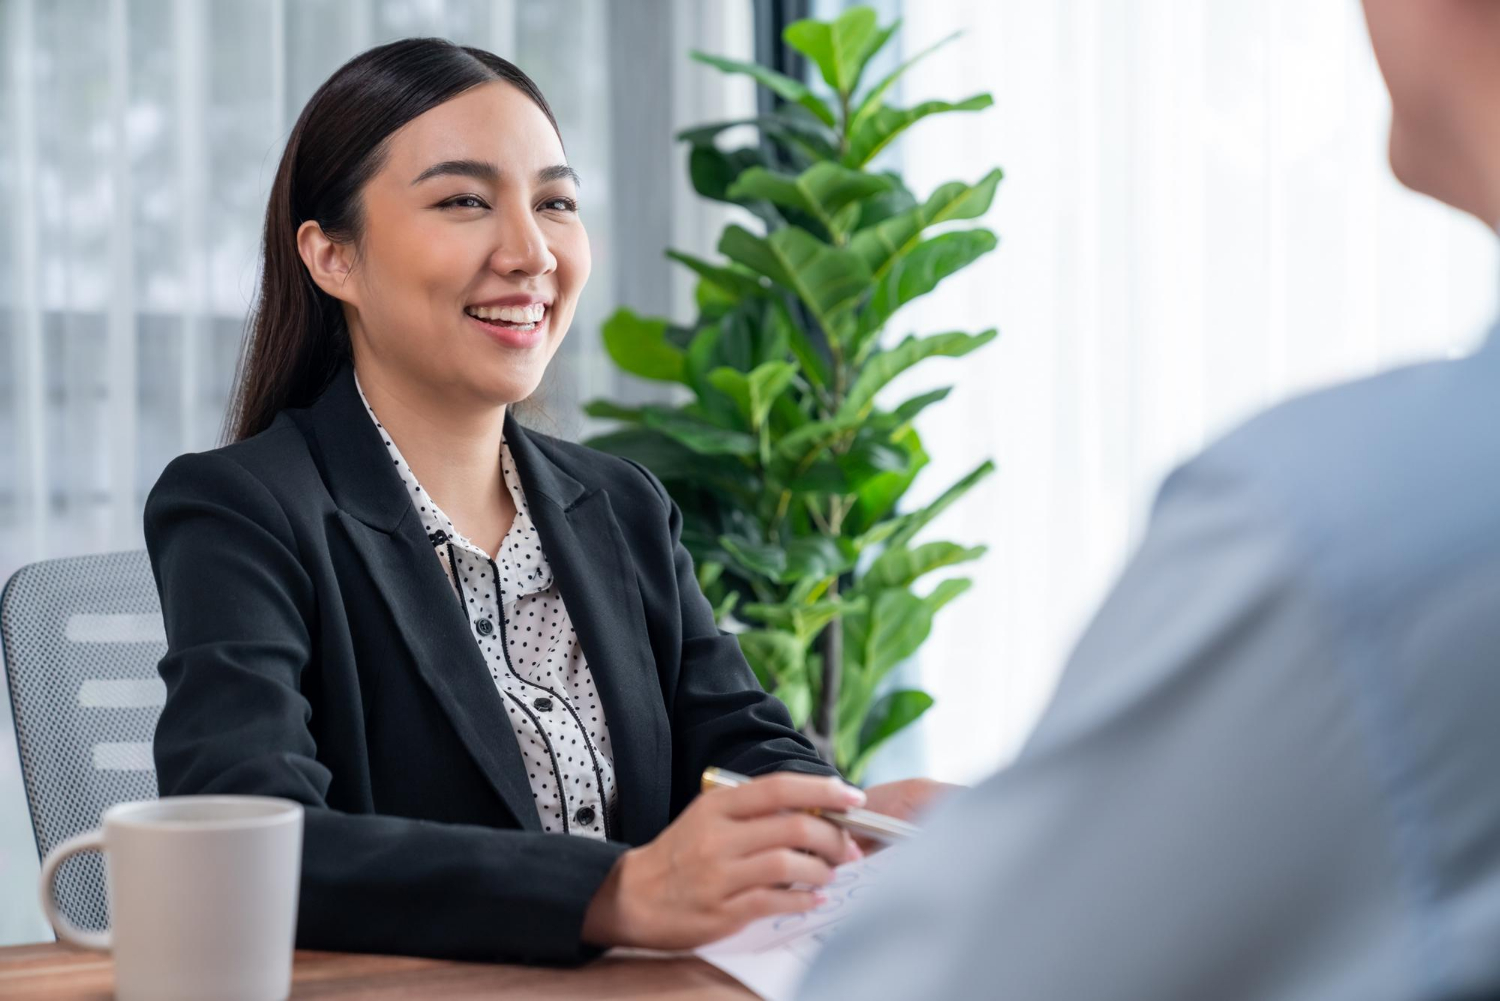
(271, 463)
(623, 478)
(1382, 474)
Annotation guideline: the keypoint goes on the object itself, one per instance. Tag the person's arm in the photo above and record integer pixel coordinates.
(721, 716)
(1198, 814)
(238, 606)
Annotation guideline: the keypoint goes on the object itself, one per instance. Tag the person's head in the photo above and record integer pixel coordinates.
(1441, 61)
(423, 180)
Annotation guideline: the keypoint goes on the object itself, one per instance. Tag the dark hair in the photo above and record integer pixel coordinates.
(295, 338)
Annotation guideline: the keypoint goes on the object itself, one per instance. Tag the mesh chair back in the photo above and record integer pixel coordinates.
(82, 637)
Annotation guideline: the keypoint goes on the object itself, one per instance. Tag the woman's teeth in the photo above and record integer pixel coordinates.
(520, 317)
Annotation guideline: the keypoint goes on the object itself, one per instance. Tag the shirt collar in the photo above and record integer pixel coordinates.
(522, 566)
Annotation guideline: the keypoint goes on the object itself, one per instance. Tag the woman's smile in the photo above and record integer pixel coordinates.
(511, 333)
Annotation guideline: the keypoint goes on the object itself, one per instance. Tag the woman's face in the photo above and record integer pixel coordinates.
(473, 210)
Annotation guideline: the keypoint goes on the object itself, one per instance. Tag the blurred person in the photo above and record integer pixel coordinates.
(477, 655)
(1269, 769)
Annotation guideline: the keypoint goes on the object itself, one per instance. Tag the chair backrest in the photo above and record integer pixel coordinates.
(82, 637)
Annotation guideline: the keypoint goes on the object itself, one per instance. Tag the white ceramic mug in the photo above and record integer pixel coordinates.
(202, 896)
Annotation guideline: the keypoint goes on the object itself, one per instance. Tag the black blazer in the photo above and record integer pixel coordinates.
(317, 651)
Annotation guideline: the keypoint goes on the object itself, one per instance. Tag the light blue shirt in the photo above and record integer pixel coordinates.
(1271, 769)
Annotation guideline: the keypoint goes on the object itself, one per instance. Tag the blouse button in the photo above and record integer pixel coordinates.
(484, 627)
(543, 704)
(585, 815)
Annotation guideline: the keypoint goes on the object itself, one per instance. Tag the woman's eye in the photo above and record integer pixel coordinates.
(568, 204)
(458, 202)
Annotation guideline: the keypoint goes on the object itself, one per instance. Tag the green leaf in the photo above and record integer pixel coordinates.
(901, 567)
(797, 697)
(878, 208)
(891, 713)
(817, 556)
(822, 476)
(804, 621)
(800, 342)
(918, 520)
(946, 591)
(606, 410)
(772, 655)
(855, 694)
(883, 124)
(726, 606)
(767, 382)
(778, 83)
(900, 623)
(827, 279)
(915, 274)
(712, 301)
(733, 385)
(698, 435)
(822, 191)
(813, 137)
(735, 282)
(870, 456)
(883, 243)
(673, 462)
(639, 346)
(713, 170)
(758, 558)
(838, 48)
(810, 437)
(879, 495)
(886, 365)
(908, 411)
(705, 353)
(871, 100)
(708, 572)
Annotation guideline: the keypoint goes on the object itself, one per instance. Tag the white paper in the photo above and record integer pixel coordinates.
(771, 956)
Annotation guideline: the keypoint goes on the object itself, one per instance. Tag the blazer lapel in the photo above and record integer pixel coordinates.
(422, 604)
(386, 534)
(583, 543)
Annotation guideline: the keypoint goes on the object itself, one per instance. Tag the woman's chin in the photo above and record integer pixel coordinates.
(504, 389)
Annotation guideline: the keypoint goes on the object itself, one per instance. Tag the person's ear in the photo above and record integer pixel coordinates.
(328, 261)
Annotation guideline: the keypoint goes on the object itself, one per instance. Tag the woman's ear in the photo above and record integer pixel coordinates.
(328, 261)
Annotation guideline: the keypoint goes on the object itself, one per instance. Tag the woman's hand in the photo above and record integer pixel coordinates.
(904, 800)
(724, 862)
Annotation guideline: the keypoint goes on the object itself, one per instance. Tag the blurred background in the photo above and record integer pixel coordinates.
(1197, 221)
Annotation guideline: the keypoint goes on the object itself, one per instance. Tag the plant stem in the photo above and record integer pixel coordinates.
(826, 725)
(817, 516)
(782, 503)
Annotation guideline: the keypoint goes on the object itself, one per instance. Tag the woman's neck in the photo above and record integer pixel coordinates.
(453, 450)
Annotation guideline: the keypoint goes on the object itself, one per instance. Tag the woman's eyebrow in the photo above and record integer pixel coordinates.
(484, 170)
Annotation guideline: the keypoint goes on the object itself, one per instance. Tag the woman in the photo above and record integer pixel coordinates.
(478, 655)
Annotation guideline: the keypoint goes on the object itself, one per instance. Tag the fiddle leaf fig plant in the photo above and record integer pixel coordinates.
(788, 460)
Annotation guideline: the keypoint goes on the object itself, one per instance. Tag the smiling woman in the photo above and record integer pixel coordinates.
(478, 655)
(413, 195)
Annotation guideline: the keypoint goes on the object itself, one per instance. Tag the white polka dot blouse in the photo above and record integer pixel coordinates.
(519, 621)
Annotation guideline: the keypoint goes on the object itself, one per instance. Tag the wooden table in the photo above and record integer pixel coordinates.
(52, 972)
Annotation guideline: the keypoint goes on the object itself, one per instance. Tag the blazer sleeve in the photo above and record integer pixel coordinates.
(720, 714)
(240, 613)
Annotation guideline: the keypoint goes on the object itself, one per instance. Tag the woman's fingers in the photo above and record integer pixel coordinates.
(788, 791)
(754, 904)
(792, 830)
(775, 869)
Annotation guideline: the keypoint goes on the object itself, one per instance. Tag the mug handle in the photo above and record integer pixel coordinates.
(67, 930)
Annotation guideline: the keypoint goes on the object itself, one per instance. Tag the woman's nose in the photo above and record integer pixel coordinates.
(522, 246)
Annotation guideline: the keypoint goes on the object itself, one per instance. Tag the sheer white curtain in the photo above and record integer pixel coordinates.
(1197, 221)
(138, 139)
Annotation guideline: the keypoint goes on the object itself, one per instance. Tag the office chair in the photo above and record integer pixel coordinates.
(82, 637)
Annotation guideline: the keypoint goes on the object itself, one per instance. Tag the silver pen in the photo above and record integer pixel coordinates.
(867, 823)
